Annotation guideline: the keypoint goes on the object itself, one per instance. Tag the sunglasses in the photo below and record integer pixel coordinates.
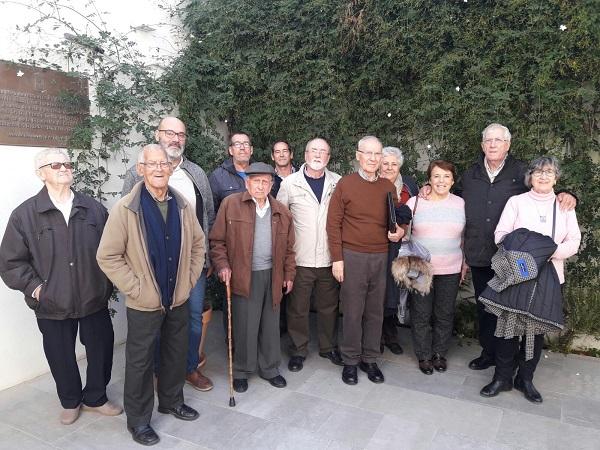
(56, 165)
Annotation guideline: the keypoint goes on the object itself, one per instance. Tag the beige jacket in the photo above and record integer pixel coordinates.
(123, 253)
(310, 217)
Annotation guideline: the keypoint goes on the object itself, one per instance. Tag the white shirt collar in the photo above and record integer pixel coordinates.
(262, 211)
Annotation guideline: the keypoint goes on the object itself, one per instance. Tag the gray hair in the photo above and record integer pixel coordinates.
(42, 156)
(539, 164)
(491, 126)
(366, 139)
(142, 154)
(394, 151)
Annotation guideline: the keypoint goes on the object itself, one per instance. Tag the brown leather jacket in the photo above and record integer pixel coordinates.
(232, 239)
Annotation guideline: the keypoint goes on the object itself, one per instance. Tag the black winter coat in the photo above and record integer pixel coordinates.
(39, 249)
(539, 298)
(484, 202)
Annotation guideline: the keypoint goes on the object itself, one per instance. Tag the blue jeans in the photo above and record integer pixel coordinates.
(196, 305)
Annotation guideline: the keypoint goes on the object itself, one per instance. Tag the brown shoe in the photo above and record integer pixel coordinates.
(69, 415)
(199, 381)
(108, 409)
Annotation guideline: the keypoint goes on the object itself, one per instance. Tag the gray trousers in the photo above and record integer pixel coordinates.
(362, 298)
(256, 329)
(142, 328)
(432, 316)
(320, 281)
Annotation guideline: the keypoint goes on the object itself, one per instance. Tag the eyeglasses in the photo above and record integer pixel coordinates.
(154, 165)
(238, 145)
(318, 151)
(172, 134)
(548, 172)
(496, 141)
(56, 165)
(374, 155)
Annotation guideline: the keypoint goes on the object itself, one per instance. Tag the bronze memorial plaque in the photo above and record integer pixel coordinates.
(40, 107)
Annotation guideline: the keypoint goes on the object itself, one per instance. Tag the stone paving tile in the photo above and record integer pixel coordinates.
(397, 433)
(37, 413)
(535, 432)
(447, 414)
(277, 436)
(581, 411)
(12, 438)
(452, 441)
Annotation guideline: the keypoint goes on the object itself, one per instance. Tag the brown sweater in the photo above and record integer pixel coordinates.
(357, 216)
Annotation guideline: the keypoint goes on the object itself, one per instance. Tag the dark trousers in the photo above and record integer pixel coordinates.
(362, 296)
(326, 290)
(389, 330)
(96, 334)
(487, 321)
(432, 316)
(142, 328)
(510, 355)
(256, 329)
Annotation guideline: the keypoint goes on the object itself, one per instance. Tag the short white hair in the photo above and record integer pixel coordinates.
(42, 156)
(366, 139)
(141, 158)
(492, 126)
(394, 151)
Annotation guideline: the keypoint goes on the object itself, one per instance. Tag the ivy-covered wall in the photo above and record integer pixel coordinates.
(425, 75)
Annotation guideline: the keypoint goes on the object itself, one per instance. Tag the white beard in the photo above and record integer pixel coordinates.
(316, 166)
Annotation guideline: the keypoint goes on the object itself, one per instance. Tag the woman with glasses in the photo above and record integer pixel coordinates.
(395, 297)
(535, 211)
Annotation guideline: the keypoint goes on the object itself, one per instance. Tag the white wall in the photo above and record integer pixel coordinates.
(21, 352)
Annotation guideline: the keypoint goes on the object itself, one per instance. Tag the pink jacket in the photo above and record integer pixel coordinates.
(528, 210)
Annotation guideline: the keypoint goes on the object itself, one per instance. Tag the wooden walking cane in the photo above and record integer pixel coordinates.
(231, 399)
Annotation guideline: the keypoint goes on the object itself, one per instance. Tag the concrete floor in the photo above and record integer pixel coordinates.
(317, 411)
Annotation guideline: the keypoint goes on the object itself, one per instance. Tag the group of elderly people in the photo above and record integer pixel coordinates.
(325, 239)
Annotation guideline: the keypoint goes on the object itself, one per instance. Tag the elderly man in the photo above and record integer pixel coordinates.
(229, 178)
(486, 187)
(49, 253)
(282, 155)
(358, 241)
(190, 181)
(252, 245)
(307, 194)
(153, 250)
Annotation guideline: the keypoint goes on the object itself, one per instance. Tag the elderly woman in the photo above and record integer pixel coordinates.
(438, 224)
(533, 211)
(49, 254)
(406, 187)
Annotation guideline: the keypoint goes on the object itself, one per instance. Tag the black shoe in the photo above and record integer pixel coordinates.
(481, 363)
(333, 356)
(240, 385)
(296, 363)
(395, 348)
(425, 366)
(495, 387)
(439, 363)
(529, 390)
(278, 381)
(372, 371)
(144, 434)
(350, 375)
(183, 412)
